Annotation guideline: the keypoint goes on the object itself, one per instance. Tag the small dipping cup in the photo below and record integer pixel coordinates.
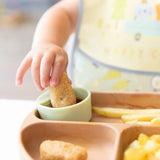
(81, 111)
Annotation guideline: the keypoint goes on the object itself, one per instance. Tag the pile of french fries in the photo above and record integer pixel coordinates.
(131, 116)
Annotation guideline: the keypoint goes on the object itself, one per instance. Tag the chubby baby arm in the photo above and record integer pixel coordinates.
(47, 58)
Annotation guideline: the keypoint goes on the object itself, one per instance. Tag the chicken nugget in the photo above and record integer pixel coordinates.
(63, 94)
(60, 150)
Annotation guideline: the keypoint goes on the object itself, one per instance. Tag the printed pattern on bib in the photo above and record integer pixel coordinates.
(118, 46)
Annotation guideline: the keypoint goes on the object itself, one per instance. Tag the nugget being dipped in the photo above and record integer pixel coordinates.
(60, 150)
(62, 95)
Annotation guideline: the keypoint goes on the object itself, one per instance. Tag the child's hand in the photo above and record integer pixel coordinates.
(47, 62)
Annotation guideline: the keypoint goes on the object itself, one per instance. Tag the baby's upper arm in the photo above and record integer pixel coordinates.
(71, 8)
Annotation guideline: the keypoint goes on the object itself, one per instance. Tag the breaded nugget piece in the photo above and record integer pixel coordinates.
(60, 150)
(63, 94)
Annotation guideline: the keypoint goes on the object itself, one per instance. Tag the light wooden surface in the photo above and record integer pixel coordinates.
(104, 138)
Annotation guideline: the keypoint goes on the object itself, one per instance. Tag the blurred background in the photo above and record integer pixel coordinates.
(18, 19)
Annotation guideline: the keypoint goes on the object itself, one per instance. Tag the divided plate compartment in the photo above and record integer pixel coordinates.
(104, 138)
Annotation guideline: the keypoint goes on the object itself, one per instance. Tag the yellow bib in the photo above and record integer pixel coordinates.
(123, 38)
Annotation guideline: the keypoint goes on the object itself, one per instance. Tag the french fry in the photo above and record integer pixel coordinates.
(155, 121)
(119, 112)
(140, 117)
(131, 116)
(138, 122)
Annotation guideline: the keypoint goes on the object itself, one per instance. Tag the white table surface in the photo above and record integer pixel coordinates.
(12, 114)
